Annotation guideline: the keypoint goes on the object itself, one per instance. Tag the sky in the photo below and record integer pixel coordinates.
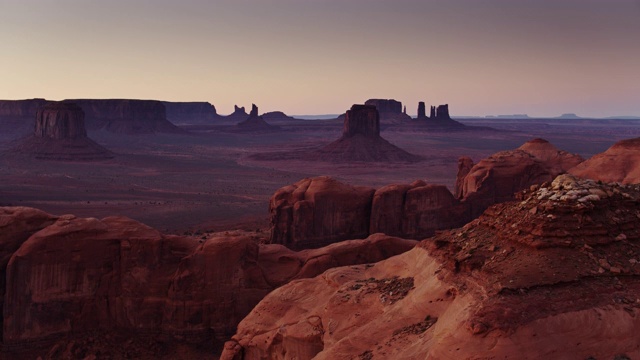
(489, 57)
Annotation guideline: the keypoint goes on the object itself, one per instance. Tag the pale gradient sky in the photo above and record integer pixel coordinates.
(539, 57)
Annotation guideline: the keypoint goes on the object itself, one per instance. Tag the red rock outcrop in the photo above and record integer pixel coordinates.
(125, 116)
(554, 275)
(620, 163)
(60, 134)
(318, 211)
(415, 211)
(69, 275)
(255, 122)
(498, 177)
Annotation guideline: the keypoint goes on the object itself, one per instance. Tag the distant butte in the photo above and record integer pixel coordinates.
(361, 141)
(255, 122)
(60, 134)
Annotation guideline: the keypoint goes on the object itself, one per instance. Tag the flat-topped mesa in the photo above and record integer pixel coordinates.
(421, 110)
(389, 110)
(60, 121)
(362, 120)
(442, 112)
(386, 105)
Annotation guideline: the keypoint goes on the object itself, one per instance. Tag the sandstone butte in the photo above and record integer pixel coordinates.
(60, 134)
(317, 211)
(361, 141)
(69, 277)
(553, 275)
(255, 122)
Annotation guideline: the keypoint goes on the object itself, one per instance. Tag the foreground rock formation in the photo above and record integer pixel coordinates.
(318, 211)
(255, 122)
(496, 178)
(361, 141)
(620, 163)
(390, 110)
(68, 276)
(60, 134)
(553, 275)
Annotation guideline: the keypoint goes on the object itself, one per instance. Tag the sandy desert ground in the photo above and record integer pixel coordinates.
(206, 180)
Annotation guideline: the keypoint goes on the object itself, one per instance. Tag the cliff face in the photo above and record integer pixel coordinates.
(10, 109)
(255, 122)
(67, 276)
(552, 275)
(303, 215)
(363, 120)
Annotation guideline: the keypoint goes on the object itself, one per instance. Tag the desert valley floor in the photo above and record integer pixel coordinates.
(206, 180)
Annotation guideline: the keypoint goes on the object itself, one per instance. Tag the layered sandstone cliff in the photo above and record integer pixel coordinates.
(553, 275)
(68, 276)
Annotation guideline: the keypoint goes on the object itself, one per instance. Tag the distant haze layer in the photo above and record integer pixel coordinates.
(539, 57)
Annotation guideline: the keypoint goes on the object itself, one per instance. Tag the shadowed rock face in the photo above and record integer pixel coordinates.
(191, 112)
(60, 121)
(20, 108)
(318, 211)
(60, 134)
(303, 215)
(421, 110)
(255, 122)
(386, 105)
(68, 276)
(553, 275)
(442, 112)
(432, 114)
(362, 120)
(390, 110)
